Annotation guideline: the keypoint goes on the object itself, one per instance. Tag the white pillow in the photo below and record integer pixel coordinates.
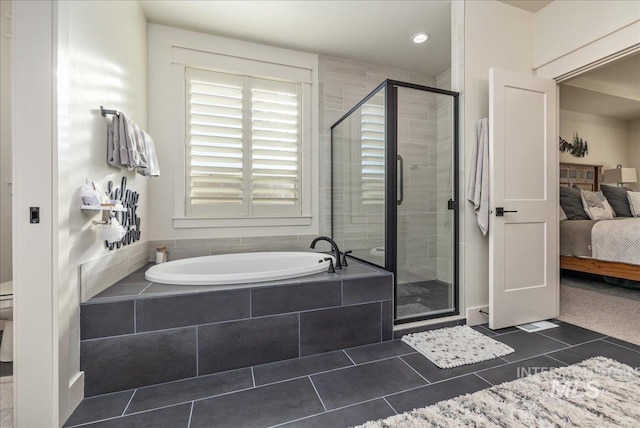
(634, 203)
(596, 205)
(563, 215)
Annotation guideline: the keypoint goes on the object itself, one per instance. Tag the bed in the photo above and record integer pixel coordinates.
(604, 247)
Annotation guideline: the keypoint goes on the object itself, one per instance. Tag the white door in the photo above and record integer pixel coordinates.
(523, 239)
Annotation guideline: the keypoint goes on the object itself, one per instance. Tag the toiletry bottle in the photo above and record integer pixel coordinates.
(161, 254)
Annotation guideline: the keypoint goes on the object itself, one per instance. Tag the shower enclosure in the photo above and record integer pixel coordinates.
(394, 184)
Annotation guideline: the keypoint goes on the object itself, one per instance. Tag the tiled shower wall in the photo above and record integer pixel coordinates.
(343, 84)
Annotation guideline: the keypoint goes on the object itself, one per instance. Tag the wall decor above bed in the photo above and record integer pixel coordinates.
(578, 148)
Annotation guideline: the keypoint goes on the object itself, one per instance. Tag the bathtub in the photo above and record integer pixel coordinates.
(242, 268)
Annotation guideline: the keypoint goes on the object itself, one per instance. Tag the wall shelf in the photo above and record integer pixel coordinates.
(103, 208)
(106, 212)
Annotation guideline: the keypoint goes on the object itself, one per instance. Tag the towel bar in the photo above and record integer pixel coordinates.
(105, 112)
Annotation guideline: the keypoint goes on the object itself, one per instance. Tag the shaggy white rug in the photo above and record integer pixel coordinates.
(598, 392)
(6, 401)
(456, 346)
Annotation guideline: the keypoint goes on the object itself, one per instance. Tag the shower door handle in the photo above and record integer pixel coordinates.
(400, 179)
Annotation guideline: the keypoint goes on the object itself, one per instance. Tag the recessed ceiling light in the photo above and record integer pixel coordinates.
(420, 37)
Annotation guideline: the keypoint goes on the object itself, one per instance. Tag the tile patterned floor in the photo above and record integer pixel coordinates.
(341, 388)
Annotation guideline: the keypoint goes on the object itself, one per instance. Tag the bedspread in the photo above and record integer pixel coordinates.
(617, 240)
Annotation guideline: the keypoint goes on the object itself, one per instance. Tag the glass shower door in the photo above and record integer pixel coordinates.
(358, 180)
(425, 222)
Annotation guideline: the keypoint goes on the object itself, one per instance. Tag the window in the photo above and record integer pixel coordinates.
(372, 141)
(243, 146)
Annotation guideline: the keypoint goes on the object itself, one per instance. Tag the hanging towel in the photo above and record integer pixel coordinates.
(129, 146)
(148, 155)
(478, 192)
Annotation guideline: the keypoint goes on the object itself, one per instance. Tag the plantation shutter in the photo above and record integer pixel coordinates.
(372, 132)
(275, 148)
(243, 146)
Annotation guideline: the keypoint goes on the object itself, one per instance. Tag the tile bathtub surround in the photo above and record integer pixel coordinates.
(201, 331)
(101, 273)
(185, 248)
(336, 389)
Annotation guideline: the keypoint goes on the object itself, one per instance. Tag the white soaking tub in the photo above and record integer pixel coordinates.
(242, 268)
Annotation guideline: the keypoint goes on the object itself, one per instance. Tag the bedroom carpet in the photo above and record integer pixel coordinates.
(598, 306)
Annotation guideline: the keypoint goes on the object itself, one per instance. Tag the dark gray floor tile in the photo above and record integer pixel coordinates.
(571, 334)
(430, 394)
(295, 298)
(106, 319)
(378, 351)
(484, 330)
(6, 369)
(623, 343)
(100, 407)
(364, 382)
(181, 311)
(167, 394)
(519, 369)
(236, 344)
(126, 362)
(169, 417)
(528, 344)
(297, 367)
(369, 289)
(347, 416)
(598, 348)
(500, 330)
(259, 407)
(122, 290)
(434, 374)
(399, 333)
(338, 328)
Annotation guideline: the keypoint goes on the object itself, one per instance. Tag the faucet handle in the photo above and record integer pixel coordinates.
(344, 257)
(331, 267)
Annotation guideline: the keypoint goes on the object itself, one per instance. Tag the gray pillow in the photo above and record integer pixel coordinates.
(617, 197)
(571, 203)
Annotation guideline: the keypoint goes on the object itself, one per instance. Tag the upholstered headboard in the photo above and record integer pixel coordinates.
(585, 176)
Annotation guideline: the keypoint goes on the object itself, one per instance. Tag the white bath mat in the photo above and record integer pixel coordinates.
(456, 346)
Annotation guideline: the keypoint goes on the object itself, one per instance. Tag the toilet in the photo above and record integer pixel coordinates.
(6, 321)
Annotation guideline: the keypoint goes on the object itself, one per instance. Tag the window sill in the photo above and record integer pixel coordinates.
(195, 223)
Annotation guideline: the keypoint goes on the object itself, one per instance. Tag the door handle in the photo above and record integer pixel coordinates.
(500, 211)
(401, 179)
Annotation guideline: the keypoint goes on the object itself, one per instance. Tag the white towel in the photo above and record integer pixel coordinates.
(129, 146)
(149, 156)
(478, 191)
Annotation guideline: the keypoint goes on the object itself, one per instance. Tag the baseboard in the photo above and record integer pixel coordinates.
(76, 391)
(475, 317)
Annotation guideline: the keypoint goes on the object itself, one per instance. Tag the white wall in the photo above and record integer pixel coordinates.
(5, 141)
(608, 138)
(165, 124)
(495, 35)
(572, 34)
(34, 267)
(102, 61)
(634, 149)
